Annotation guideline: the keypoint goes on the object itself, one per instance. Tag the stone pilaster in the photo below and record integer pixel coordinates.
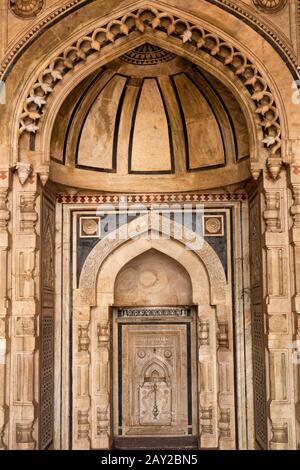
(278, 317)
(4, 305)
(295, 243)
(23, 354)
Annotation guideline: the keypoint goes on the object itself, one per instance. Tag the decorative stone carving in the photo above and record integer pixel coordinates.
(222, 335)
(147, 54)
(103, 335)
(213, 226)
(83, 338)
(102, 421)
(295, 210)
(272, 212)
(24, 438)
(180, 198)
(83, 424)
(142, 225)
(89, 227)
(280, 436)
(154, 312)
(24, 326)
(44, 172)
(4, 212)
(224, 423)
(147, 19)
(278, 324)
(24, 171)
(203, 333)
(270, 6)
(28, 215)
(26, 8)
(236, 9)
(206, 416)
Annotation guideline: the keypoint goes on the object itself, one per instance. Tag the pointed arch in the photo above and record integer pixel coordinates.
(139, 229)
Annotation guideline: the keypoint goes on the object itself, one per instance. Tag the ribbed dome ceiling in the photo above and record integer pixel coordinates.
(151, 112)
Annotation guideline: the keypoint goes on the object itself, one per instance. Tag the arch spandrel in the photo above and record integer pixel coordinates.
(141, 227)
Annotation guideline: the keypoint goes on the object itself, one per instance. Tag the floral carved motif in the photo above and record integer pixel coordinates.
(270, 6)
(26, 8)
(143, 21)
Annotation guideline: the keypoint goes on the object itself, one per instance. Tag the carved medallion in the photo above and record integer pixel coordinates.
(89, 227)
(214, 226)
(270, 6)
(26, 8)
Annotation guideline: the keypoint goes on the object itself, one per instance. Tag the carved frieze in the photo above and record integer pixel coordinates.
(154, 312)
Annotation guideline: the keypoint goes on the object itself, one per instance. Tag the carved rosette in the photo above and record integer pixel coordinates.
(269, 6)
(26, 8)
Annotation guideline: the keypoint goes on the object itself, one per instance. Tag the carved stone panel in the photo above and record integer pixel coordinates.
(154, 380)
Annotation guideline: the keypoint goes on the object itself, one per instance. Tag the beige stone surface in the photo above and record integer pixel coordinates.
(236, 146)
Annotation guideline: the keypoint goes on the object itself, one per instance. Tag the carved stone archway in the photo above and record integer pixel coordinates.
(92, 333)
(178, 29)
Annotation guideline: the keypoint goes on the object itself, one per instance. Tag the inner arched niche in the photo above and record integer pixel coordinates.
(153, 279)
(146, 117)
